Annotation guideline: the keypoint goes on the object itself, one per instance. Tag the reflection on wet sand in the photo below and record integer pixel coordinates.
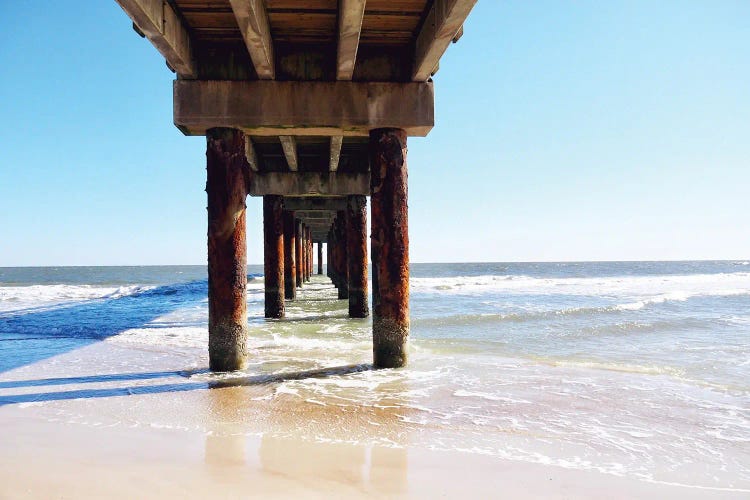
(306, 444)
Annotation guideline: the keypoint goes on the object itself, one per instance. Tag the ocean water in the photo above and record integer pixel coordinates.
(636, 369)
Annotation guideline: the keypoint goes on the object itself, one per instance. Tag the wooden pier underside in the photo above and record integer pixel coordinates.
(320, 92)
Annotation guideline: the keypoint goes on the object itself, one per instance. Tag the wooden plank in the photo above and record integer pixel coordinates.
(440, 27)
(250, 154)
(336, 142)
(303, 108)
(351, 13)
(310, 184)
(289, 145)
(253, 22)
(158, 22)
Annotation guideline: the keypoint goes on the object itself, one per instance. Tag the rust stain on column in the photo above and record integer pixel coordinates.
(356, 250)
(298, 250)
(227, 186)
(273, 255)
(320, 257)
(290, 262)
(341, 262)
(390, 247)
(310, 253)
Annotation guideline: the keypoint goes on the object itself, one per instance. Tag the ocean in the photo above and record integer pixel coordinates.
(634, 369)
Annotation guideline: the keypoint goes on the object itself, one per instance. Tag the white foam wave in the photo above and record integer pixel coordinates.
(636, 292)
(18, 298)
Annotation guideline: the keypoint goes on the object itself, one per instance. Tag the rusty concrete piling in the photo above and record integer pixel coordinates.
(390, 247)
(273, 255)
(226, 185)
(290, 264)
(341, 264)
(298, 250)
(320, 257)
(356, 251)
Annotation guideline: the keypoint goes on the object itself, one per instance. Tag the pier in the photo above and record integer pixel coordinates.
(308, 104)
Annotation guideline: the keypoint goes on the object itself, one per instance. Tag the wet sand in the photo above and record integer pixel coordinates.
(155, 432)
(42, 459)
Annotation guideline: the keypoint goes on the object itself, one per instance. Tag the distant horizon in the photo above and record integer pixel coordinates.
(605, 261)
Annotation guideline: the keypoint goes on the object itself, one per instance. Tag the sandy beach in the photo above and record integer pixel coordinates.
(157, 434)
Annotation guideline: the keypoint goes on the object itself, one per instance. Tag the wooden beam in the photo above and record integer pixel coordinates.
(277, 108)
(250, 154)
(351, 13)
(289, 145)
(309, 184)
(445, 19)
(314, 204)
(160, 24)
(253, 22)
(336, 142)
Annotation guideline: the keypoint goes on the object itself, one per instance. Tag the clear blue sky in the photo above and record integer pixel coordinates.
(564, 131)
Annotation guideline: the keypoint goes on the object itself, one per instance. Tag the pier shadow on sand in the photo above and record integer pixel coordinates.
(32, 335)
(220, 382)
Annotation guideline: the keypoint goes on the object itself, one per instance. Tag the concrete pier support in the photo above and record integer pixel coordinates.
(310, 252)
(298, 251)
(356, 251)
(290, 264)
(390, 247)
(341, 258)
(305, 256)
(320, 257)
(226, 186)
(329, 255)
(273, 255)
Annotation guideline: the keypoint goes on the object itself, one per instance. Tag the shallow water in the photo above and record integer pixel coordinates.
(634, 369)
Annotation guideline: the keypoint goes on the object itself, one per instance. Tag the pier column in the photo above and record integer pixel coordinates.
(390, 247)
(356, 251)
(341, 263)
(290, 264)
(226, 185)
(310, 254)
(329, 258)
(305, 257)
(298, 250)
(320, 257)
(273, 255)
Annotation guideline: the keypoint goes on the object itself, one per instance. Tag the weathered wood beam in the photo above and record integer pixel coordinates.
(336, 142)
(445, 19)
(303, 108)
(250, 154)
(315, 204)
(309, 184)
(252, 20)
(160, 24)
(289, 145)
(351, 13)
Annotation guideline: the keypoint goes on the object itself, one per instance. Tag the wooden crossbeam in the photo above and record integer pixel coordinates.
(309, 184)
(351, 13)
(289, 145)
(336, 142)
(250, 154)
(315, 204)
(266, 108)
(252, 20)
(443, 22)
(160, 24)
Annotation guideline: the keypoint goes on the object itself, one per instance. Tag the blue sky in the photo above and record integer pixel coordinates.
(564, 131)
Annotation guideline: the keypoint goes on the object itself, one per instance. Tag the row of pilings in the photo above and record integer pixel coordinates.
(288, 248)
(288, 255)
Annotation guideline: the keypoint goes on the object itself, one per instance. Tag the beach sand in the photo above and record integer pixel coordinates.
(73, 426)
